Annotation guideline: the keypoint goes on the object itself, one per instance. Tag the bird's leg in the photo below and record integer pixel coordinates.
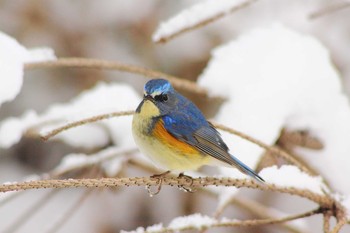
(160, 178)
(190, 181)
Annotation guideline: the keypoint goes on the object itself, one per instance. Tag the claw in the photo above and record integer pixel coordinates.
(160, 178)
(186, 188)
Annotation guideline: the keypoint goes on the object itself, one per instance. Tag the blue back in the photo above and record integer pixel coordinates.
(185, 122)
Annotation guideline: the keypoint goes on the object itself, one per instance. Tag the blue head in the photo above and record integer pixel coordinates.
(160, 95)
(156, 87)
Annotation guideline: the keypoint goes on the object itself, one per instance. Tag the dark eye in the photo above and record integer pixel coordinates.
(161, 98)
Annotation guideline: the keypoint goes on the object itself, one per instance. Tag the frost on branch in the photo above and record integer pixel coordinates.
(12, 58)
(276, 78)
(101, 99)
(194, 221)
(291, 176)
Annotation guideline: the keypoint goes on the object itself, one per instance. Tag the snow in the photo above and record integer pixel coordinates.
(273, 78)
(12, 58)
(196, 220)
(113, 167)
(153, 228)
(193, 16)
(113, 158)
(291, 176)
(40, 54)
(346, 203)
(103, 98)
(13, 128)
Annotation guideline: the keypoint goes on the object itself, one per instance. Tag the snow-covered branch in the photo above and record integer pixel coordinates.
(200, 222)
(197, 16)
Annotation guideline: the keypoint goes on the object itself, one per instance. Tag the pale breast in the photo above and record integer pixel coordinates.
(162, 155)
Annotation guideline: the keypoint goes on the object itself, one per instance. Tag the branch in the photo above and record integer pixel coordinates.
(339, 225)
(326, 221)
(272, 149)
(233, 223)
(73, 162)
(194, 183)
(259, 210)
(161, 37)
(300, 138)
(85, 121)
(249, 205)
(115, 65)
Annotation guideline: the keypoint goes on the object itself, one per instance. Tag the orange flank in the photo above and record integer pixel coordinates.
(162, 134)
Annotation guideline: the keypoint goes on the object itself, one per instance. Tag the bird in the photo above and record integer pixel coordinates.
(172, 131)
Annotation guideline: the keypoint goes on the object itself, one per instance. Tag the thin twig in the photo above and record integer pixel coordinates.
(236, 223)
(262, 211)
(200, 182)
(250, 205)
(204, 22)
(85, 121)
(339, 225)
(326, 221)
(300, 138)
(91, 159)
(329, 9)
(272, 149)
(116, 65)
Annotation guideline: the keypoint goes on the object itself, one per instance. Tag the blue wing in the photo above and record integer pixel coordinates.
(190, 126)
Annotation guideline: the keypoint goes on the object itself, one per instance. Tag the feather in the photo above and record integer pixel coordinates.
(206, 139)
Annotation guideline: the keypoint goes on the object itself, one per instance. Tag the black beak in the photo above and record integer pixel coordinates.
(145, 97)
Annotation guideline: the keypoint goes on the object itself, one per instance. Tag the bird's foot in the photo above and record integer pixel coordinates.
(160, 178)
(187, 187)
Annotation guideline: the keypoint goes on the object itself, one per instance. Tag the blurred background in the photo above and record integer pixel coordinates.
(122, 30)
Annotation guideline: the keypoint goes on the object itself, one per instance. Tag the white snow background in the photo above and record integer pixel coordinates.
(12, 58)
(272, 77)
(275, 77)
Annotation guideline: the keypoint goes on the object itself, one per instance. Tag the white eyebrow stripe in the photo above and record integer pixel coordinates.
(154, 94)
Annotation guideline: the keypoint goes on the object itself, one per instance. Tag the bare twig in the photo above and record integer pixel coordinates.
(237, 223)
(204, 22)
(339, 225)
(247, 204)
(116, 65)
(326, 221)
(272, 149)
(300, 138)
(92, 159)
(85, 121)
(201, 182)
(261, 211)
(334, 7)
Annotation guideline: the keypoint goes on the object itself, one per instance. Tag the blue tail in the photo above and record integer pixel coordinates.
(245, 169)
